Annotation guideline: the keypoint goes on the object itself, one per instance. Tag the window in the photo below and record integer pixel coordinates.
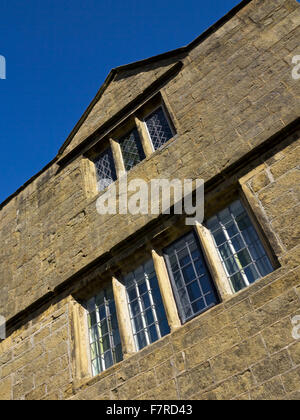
(105, 169)
(147, 312)
(159, 128)
(105, 342)
(132, 150)
(239, 246)
(193, 286)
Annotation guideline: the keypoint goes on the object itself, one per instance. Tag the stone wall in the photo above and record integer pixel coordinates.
(234, 91)
(233, 94)
(242, 349)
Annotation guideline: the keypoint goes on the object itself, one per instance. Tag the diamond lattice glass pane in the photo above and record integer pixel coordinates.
(239, 246)
(105, 169)
(159, 129)
(132, 150)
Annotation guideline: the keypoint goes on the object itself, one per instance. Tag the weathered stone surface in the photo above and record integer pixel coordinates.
(233, 93)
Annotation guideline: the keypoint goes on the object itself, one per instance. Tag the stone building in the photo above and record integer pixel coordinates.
(124, 306)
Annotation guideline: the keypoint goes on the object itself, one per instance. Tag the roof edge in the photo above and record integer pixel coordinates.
(185, 49)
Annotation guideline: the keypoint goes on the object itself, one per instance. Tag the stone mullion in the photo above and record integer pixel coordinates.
(118, 158)
(214, 263)
(81, 361)
(144, 136)
(166, 291)
(124, 321)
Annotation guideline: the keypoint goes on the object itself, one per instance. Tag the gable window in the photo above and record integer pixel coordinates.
(147, 312)
(105, 342)
(193, 287)
(159, 128)
(240, 248)
(132, 150)
(105, 169)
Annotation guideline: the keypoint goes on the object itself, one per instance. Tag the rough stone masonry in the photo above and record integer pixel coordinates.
(236, 109)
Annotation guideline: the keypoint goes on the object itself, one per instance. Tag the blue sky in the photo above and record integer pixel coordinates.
(59, 52)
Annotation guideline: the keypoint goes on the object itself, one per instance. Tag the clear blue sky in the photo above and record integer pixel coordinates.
(58, 54)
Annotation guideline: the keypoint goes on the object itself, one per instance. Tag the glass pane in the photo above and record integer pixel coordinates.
(242, 254)
(132, 150)
(188, 273)
(141, 340)
(225, 250)
(193, 271)
(178, 279)
(231, 265)
(153, 334)
(219, 237)
(183, 257)
(95, 367)
(132, 294)
(264, 266)
(157, 299)
(116, 337)
(143, 288)
(138, 323)
(149, 317)
(104, 332)
(158, 128)
(102, 312)
(93, 334)
(198, 306)
(200, 268)
(108, 360)
(135, 308)
(92, 319)
(103, 327)
(211, 299)
(205, 284)
(161, 313)
(164, 328)
(244, 257)
(105, 343)
(194, 291)
(105, 169)
(251, 273)
(119, 353)
(146, 301)
(238, 282)
(231, 229)
(148, 308)
(237, 243)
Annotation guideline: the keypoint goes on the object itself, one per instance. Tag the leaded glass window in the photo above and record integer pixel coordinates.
(147, 312)
(132, 150)
(159, 128)
(105, 169)
(105, 342)
(239, 246)
(192, 284)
